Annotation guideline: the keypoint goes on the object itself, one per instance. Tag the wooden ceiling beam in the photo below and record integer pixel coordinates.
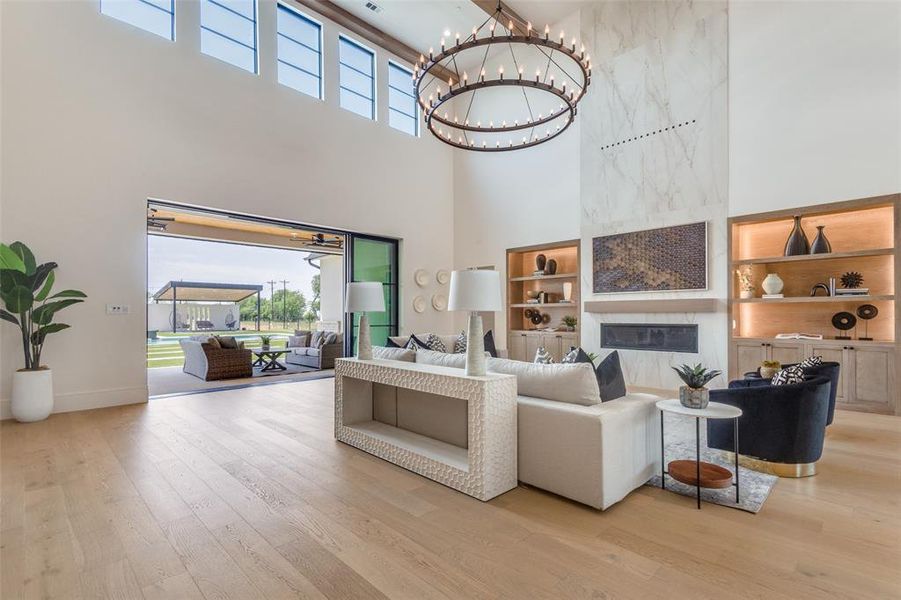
(489, 7)
(370, 33)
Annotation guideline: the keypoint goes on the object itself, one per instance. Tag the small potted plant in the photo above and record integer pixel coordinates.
(745, 284)
(569, 322)
(769, 368)
(693, 394)
(265, 339)
(25, 291)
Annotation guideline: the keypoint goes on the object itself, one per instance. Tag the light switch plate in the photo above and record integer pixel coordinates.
(117, 309)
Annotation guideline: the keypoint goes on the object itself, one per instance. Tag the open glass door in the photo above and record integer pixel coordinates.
(373, 259)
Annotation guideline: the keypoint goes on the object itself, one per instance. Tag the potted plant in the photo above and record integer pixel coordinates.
(569, 322)
(769, 368)
(265, 339)
(745, 283)
(25, 290)
(693, 394)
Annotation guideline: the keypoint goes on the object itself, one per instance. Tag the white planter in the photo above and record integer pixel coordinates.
(772, 284)
(32, 398)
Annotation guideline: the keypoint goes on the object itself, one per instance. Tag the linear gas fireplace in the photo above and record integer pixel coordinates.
(651, 337)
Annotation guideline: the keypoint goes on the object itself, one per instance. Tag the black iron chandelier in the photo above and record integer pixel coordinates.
(448, 94)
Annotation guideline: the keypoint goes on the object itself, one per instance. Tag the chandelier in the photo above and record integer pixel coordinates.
(471, 101)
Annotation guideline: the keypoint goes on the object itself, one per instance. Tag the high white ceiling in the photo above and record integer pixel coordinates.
(421, 23)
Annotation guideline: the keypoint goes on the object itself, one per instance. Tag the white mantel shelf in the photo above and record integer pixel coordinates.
(666, 305)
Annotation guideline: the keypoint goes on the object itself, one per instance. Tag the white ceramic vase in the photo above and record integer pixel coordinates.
(32, 398)
(772, 284)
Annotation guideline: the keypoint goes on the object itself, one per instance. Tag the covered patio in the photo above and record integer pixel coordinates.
(213, 294)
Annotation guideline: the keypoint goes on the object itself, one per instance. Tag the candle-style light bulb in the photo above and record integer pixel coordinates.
(537, 75)
(529, 29)
(547, 31)
(500, 71)
(442, 44)
(583, 52)
(458, 38)
(520, 72)
(483, 75)
(431, 53)
(475, 32)
(422, 59)
(484, 143)
(564, 87)
(574, 44)
(510, 27)
(465, 78)
(491, 27)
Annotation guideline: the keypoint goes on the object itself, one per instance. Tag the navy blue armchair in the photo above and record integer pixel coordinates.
(779, 423)
(829, 370)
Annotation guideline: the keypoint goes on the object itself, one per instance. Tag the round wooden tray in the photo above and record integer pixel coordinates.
(712, 476)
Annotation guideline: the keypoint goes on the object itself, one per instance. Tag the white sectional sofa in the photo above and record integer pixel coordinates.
(568, 441)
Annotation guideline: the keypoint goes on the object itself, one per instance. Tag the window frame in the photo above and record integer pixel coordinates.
(256, 34)
(415, 116)
(321, 77)
(374, 76)
(171, 12)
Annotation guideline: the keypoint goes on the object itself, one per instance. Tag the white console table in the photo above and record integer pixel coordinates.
(398, 411)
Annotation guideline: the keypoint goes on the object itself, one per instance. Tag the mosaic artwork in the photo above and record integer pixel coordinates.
(669, 258)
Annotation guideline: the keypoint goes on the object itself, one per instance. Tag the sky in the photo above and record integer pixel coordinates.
(171, 258)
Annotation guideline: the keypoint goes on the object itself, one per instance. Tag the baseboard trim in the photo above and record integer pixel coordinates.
(75, 401)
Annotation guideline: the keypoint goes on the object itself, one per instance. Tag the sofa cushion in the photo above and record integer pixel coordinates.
(441, 359)
(299, 341)
(228, 342)
(299, 351)
(416, 343)
(316, 339)
(396, 341)
(389, 353)
(214, 342)
(573, 383)
(314, 351)
(611, 383)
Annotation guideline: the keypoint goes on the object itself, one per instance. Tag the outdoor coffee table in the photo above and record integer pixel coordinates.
(267, 360)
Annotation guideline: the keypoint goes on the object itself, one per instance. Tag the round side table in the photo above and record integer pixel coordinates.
(706, 474)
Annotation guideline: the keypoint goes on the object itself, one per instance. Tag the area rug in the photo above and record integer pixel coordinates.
(680, 444)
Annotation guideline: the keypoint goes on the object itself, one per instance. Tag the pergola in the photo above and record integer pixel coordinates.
(193, 291)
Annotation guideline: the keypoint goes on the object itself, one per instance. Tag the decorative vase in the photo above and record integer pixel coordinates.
(551, 267)
(568, 291)
(694, 397)
(797, 243)
(540, 262)
(32, 395)
(772, 284)
(265, 347)
(820, 244)
(768, 372)
(746, 294)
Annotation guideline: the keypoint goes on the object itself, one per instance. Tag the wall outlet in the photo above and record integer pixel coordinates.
(117, 309)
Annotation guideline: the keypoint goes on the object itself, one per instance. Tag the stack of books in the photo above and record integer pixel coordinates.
(771, 296)
(852, 291)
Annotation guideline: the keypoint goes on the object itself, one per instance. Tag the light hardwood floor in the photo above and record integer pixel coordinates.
(245, 494)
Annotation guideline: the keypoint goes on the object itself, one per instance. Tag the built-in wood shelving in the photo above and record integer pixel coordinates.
(807, 257)
(542, 277)
(545, 305)
(814, 299)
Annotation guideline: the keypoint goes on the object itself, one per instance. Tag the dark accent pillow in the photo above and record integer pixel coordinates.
(214, 342)
(490, 348)
(392, 344)
(228, 342)
(414, 343)
(577, 355)
(611, 383)
(789, 376)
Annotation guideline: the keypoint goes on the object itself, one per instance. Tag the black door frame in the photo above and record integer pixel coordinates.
(394, 287)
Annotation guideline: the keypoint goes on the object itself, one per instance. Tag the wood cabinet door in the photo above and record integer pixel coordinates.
(787, 353)
(749, 356)
(874, 376)
(835, 354)
(517, 346)
(533, 341)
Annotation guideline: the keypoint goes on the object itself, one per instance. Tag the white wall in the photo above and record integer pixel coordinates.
(98, 116)
(159, 316)
(814, 102)
(519, 198)
(331, 288)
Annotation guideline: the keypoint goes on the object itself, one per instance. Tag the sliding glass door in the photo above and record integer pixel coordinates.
(373, 259)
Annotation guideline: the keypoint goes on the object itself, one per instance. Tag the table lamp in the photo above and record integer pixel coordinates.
(363, 297)
(474, 291)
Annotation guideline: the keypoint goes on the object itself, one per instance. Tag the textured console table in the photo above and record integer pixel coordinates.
(434, 421)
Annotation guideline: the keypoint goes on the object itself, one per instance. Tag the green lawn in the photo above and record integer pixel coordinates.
(166, 351)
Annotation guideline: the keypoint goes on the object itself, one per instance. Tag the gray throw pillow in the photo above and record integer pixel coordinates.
(460, 343)
(543, 357)
(789, 376)
(228, 342)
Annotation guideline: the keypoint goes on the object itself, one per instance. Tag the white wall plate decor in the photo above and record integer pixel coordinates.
(419, 304)
(442, 276)
(421, 277)
(439, 302)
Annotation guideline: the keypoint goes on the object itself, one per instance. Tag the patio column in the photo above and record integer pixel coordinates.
(258, 310)
(174, 313)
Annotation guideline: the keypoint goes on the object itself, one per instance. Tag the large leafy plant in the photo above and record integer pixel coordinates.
(695, 377)
(25, 289)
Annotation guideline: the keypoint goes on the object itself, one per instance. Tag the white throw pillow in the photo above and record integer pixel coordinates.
(401, 354)
(440, 359)
(572, 383)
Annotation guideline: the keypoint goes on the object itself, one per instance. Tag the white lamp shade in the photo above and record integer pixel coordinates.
(364, 296)
(475, 291)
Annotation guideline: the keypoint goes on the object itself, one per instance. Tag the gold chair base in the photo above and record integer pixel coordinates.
(773, 468)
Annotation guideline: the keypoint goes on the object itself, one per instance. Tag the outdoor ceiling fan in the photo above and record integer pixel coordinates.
(319, 239)
(157, 223)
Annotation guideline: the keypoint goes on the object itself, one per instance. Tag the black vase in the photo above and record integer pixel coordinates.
(540, 262)
(797, 243)
(551, 268)
(820, 244)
